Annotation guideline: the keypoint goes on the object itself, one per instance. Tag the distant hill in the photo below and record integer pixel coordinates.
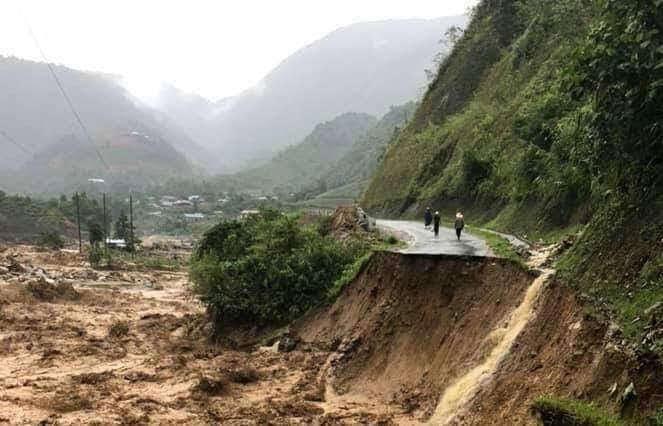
(136, 160)
(302, 165)
(194, 115)
(34, 114)
(365, 67)
(359, 163)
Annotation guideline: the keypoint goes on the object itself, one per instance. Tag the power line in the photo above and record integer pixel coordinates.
(14, 142)
(66, 97)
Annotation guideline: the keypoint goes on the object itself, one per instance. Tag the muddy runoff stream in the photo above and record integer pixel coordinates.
(456, 396)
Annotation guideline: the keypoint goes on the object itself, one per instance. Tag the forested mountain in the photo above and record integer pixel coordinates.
(547, 116)
(35, 115)
(302, 165)
(359, 163)
(136, 160)
(365, 67)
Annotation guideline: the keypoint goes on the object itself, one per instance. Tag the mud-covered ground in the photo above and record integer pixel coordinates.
(80, 346)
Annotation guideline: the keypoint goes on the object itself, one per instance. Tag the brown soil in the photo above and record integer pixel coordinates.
(81, 346)
(565, 353)
(131, 348)
(410, 325)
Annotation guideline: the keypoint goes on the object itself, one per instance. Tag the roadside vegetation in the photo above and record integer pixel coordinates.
(270, 268)
(559, 411)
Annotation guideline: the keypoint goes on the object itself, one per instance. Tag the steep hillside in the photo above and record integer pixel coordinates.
(468, 341)
(547, 116)
(35, 115)
(364, 67)
(302, 165)
(359, 163)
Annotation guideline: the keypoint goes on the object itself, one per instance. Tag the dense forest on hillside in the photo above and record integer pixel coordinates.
(302, 165)
(339, 155)
(23, 219)
(547, 116)
(359, 163)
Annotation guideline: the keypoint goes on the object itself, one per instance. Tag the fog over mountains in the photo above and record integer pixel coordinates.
(363, 68)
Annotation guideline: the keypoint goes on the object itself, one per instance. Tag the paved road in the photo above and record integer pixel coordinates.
(422, 241)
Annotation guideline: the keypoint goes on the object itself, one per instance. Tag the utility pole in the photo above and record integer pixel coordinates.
(131, 224)
(78, 221)
(105, 225)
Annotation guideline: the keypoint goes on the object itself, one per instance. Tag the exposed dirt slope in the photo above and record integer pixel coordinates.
(409, 325)
(564, 352)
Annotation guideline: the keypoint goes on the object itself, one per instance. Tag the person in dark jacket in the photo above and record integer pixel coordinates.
(459, 224)
(436, 223)
(428, 218)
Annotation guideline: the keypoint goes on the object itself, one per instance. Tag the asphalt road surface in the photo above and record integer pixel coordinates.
(423, 241)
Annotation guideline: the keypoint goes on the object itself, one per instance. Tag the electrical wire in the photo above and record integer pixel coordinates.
(67, 98)
(15, 143)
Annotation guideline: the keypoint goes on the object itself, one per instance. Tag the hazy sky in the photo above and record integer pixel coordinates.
(214, 48)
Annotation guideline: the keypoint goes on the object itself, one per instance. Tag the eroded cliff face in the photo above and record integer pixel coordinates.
(466, 341)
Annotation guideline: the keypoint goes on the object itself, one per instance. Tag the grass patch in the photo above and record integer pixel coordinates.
(348, 275)
(150, 260)
(561, 412)
(499, 245)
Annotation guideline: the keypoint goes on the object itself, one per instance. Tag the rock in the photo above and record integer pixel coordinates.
(287, 344)
(3, 270)
(628, 400)
(14, 266)
(614, 331)
(654, 309)
(613, 390)
(44, 277)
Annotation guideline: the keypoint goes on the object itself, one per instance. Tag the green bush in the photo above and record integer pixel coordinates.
(266, 268)
(50, 239)
(657, 418)
(474, 170)
(325, 225)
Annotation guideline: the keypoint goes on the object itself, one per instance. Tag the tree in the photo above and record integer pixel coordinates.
(451, 37)
(122, 227)
(96, 233)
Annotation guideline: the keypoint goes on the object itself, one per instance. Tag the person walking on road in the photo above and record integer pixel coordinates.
(459, 224)
(436, 223)
(428, 218)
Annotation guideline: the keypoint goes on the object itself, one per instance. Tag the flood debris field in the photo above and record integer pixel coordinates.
(82, 346)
